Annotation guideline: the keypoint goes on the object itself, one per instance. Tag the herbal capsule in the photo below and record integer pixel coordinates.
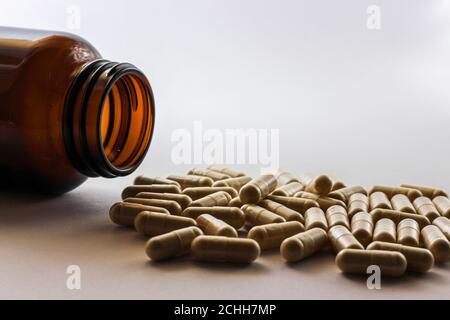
(321, 184)
(357, 202)
(216, 176)
(218, 199)
(224, 249)
(385, 231)
(183, 200)
(236, 202)
(284, 177)
(143, 180)
(171, 206)
(257, 189)
(443, 205)
(288, 190)
(123, 213)
(196, 193)
(229, 172)
(154, 223)
(391, 263)
(401, 203)
(191, 181)
(298, 204)
(345, 193)
(338, 184)
(427, 191)
(418, 259)
(436, 242)
(271, 236)
(303, 245)
(426, 208)
(412, 194)
(379, 200)
(235, 183)
(235, 217)
(341, 238)
(283, 211)
(337, 215)
(215, 227)
(323, 201)
(132, 191)
(362, 227)
(172, 244)
(257, 215)
(408, 233)
(398, 216)
(443, 223)
(315, 218)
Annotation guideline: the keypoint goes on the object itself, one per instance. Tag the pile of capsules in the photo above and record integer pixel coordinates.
(398, 229)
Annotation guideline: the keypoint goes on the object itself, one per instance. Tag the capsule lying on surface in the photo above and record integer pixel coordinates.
(223, 249)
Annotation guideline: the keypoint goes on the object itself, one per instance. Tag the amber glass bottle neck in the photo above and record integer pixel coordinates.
(108, 119)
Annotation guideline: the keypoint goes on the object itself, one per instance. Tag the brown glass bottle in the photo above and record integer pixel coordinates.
(66, 113)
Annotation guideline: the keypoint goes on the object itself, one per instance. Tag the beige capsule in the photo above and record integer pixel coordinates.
(215, 227)
(401, 203)
(187, 181)
(123, 213)
(425, 207)
(408, 233)
(391, 263)
(172, 244)
(256, 215)
(215, 176)
(298, 204)
(337, 215)
(288, 190)
(323, 201)
(183, 200)
(379, 200)
(315, 218)
(357, 202)
(443, 223)
(172, 206)
(426, 191)
(412, 194)
(345, 193)
(284, 177)
(281, 210)
(385, 230)
(235, 217)
(341, 238)
(257, 189)
(154, 223)
(338, 184)
(436, 242)
(271, 236)
(362, 227)
(143, 180)
(418, 259)
(236, 202)
(229, 172)
(224, 249)
(303, 245)
(398, 216)
(196, 193)
(443, 205)
(220, 198)
(320, 185)
(235, 183)
(132, 191)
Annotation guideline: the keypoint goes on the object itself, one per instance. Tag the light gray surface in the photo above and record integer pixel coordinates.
(368, 106)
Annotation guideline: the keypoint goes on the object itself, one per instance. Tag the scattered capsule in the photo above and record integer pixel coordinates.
(443, 223)
(154, 223)
(298, 204)
(345, 193)
(236, 202)
(341, 238)
(218, 199)
(338, 184)
(303, 245)
(270, 236)
(196, 193)
(418, 259)
(408, 233)
(172, 206)
(183, 200)
(281, 210)
(215, 227)
(191, 181)
(235, 183)
(288, 190)
(379, 200)
(224, 249)
(256, 215)
(321, 185)
(132, 191)
(425, 207)
(143, 180)
(357, 202)
(443, 205)
(323, 201)
(233, 216)
(284, 177)
(315, 218)
(401, 203)
(412, 194)
(385, 230)
(427, 191)
(398, 216)
(257, 189)
(362, 228)
(215, 176)
(229, 172)
(337, 215)
(123, 213)
(172, 244)
(436, 242)
(391, 263)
